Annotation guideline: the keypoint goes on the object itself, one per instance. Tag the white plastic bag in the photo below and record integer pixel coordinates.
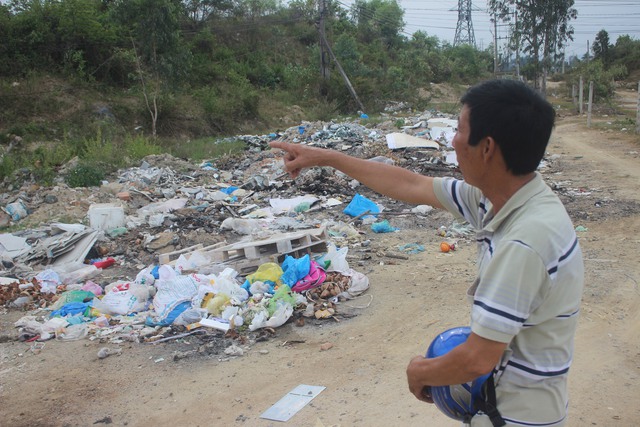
(283, 312)
(128, 301)
(48, 281)
(145, 277)
(172, 292)
(192, 262)
(337, 258)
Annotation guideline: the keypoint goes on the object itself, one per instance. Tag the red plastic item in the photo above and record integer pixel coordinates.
(108, 262)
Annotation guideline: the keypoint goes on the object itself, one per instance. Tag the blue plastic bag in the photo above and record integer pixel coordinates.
(171, 316)
(382, 227)
(359, 205)
(229, 190)
(72, 308)
(295, 269)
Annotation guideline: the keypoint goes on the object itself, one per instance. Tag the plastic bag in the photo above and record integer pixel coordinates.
(315, 278)
(92, 287)
(48, 281)
(132, 300)
(223, 283)
(242, 226)
(79, 275)
(73, 332)
(359, 205)
(233, 316)
(72, 296)
(282, 313)
(17, 210)
(72, 309)
(267, 272)
(226, 284)
(189, 316)
(145, 276)
(193, 262)
(172, 289)
(335, 259)
(169, 316)
(358, 284)
(383, 227)
(218, 303)
(295, 269)
(259, 287)
(283, 294)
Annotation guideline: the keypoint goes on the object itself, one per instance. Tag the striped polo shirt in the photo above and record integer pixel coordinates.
(527, 294)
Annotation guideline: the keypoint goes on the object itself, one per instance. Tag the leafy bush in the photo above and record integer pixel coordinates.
(140, 146)
(207, 148)
(85, 175)
(603, 79)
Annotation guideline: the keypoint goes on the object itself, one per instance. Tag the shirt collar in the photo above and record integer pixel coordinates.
(526, 192)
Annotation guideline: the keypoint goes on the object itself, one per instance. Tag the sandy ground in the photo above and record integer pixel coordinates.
(409, 302)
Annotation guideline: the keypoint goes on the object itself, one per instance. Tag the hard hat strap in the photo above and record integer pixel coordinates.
(489, 404)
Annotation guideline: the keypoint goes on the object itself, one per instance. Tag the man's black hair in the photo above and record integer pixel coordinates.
(515, 116)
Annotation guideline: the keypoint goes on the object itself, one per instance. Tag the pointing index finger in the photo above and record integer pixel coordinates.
(278, 144)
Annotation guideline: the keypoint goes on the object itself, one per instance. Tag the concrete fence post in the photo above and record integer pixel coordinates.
(590, 104)
(580, 91)
(638, 111)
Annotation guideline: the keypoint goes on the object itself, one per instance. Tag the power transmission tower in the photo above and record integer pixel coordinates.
(464, 29)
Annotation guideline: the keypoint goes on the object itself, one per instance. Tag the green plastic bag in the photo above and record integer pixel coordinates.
(72, 296)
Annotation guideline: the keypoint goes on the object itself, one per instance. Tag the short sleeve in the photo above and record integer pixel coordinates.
(512, 286)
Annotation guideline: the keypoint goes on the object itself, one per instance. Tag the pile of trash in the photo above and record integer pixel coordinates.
(164, 295)
(202, 247)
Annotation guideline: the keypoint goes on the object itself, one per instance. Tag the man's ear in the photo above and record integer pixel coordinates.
(489, 148)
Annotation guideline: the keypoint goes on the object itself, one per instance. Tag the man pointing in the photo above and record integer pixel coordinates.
(526, 297)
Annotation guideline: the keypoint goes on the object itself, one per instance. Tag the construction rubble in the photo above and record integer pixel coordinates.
(223, 251)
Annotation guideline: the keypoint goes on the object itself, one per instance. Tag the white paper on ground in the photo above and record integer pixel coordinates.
(286, 205)
(219, 324)
(292, 402)
(402, 140)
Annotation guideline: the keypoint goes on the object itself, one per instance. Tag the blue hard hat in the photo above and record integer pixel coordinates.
(456, 401)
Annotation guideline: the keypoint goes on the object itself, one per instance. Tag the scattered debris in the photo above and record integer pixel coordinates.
(170, 252)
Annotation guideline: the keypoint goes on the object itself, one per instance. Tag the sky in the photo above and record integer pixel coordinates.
(439, 18)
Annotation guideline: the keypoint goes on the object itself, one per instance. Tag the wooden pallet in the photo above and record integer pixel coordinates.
(170, 258)
(246, 257)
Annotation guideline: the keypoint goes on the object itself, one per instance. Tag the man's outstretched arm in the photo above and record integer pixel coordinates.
(392, 181)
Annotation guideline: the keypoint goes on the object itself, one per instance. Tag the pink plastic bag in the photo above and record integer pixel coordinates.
(92, 287)
(315, 278)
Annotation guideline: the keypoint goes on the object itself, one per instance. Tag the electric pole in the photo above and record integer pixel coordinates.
(324, 54)
(517, 48)
(495, 46)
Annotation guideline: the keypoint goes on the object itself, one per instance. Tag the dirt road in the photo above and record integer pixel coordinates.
(410, 301)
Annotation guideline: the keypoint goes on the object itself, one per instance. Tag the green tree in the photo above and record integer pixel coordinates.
(603, 78)
(379, 20)
(601, 47)
(161, 61)
(199, 11)
(542, 27)
(626, 52)
(466, 63)
(5, 22)
(85, 39)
